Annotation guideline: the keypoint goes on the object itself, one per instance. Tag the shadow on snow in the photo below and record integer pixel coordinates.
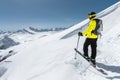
(111, 68)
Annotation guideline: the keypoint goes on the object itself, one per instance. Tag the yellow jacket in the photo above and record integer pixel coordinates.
(90, 28)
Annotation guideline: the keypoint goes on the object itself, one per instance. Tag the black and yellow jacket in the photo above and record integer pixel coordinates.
(90, 28)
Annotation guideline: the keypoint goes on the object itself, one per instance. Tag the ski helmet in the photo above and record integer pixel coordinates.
(92, 14)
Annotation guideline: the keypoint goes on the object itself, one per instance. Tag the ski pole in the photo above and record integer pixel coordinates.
(77, 47)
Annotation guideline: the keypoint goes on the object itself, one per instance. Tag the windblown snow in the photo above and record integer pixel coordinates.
(50, 56)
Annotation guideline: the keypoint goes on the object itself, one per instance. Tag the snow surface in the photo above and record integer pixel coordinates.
(52, 57)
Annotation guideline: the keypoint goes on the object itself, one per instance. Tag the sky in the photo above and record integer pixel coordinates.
(18, 14)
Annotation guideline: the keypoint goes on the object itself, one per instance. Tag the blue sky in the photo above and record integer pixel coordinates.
(18, 14)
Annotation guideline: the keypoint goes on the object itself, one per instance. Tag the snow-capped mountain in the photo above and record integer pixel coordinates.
(6, 42)
(21, 36)
(1, 32)
(52, 57)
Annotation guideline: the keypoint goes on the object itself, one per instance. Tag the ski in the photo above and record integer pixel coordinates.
(100, 70)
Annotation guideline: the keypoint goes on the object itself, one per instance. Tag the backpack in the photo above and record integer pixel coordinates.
(99, 27)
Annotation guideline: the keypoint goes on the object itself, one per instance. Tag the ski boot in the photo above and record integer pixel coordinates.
(93, 62)
(87, 58)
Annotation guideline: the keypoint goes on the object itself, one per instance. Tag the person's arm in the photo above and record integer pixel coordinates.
(90, 27)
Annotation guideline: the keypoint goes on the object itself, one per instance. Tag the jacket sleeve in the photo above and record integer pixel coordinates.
(91, 26)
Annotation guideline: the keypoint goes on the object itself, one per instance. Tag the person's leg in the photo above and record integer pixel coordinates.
(85, 47)
(94, 50)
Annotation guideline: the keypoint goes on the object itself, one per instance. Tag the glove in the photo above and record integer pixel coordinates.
(80, 34)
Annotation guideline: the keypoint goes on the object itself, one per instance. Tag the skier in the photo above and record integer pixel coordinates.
(91, 39)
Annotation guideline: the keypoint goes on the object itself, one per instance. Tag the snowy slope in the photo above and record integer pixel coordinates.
(52, 57)
(22, 38)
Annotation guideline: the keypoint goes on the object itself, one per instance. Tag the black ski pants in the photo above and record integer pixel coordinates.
(93, 44)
